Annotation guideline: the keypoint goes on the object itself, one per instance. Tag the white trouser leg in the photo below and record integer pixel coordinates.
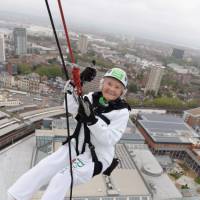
(10, 197)
(32, 180)
(83, 168)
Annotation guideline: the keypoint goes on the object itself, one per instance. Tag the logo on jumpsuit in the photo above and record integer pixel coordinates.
(76, 163)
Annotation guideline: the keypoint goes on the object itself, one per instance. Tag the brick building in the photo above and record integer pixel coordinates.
(192, 117)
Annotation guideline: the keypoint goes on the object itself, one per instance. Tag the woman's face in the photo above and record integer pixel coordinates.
(112, 89)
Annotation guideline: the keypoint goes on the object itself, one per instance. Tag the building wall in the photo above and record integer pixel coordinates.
(2, 49)
(23, 84)
(154, 80)
(82, 44)
(34, 86)
(7, 80)
(184, 155)
(178, 53)
(193, 121)
(20, 41)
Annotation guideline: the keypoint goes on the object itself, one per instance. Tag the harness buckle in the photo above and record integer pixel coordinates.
(91, 147)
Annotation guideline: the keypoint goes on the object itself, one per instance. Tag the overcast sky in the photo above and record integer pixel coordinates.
(175, 21)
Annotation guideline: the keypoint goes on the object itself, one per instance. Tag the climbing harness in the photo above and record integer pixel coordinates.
(99, 111)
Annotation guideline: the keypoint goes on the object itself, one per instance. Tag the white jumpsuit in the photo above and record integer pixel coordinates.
(55, 168)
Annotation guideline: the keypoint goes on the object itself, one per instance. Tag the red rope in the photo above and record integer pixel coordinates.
(66, 32)
(75, 70)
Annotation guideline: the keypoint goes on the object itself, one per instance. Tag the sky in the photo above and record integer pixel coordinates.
(173, 21)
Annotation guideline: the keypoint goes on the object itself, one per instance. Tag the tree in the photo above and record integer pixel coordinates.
(49, 71)
(132, 87)
(24, 69)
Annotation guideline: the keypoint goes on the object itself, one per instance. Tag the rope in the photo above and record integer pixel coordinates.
(67, 77)
(57, 41)
(66, 32)
(75, 70)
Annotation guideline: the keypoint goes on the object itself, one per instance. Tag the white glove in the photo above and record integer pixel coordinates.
(69, 87)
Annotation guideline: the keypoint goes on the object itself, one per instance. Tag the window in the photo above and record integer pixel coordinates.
(120, 198)
(144, 198)
(134, 198)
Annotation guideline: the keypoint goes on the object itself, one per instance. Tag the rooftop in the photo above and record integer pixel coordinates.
(132, 134)
(167, 129)
(159, 182)
(138, 174)
(9, 128)
(2, 114)
(15, 160)
(123, 180)
(194, 112)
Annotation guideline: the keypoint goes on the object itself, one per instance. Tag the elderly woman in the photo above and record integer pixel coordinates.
(101, 120)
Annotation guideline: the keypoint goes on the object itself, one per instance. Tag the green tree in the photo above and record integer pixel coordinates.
(132, 87)
(168, 102)
(193, 103)
(24, 68)
(133, 102)
(197, 180)
(49, 71)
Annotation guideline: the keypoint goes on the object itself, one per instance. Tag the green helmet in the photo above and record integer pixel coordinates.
(118, 74)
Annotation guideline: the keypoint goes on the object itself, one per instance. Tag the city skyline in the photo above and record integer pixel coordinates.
(169, 21)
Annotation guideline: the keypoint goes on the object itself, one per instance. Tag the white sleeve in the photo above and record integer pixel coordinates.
(72, 105)
(110, 134)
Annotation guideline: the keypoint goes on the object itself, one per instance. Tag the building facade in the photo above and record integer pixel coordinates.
(169, 135)
(192, 117)
(83, 44)
(20, 41)
(178, 53)
(2, 49)
(154, 80)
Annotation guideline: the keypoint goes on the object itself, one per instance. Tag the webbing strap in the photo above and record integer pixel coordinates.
(75, 136)
(103, 117)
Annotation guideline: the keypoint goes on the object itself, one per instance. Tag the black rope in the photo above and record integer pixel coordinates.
(69, 146)
(57, 41)
(66, 102)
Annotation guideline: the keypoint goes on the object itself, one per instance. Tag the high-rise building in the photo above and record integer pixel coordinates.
(154, 80)
(178, 53)
(82, 44)
(2, 49)
(20, 41)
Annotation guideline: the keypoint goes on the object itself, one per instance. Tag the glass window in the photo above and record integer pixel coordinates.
(144, 198)
(121, 198)
(134, 198)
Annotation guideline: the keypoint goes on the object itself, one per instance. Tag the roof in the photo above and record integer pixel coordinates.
(9, 128)
(2, 114)
(15, 160)
(161, 117)
(141, 110)
(161, 185)
(132, 134)
(167, 128)
(40, 111)
(123, 179)
(21, 108)
(194, 112)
